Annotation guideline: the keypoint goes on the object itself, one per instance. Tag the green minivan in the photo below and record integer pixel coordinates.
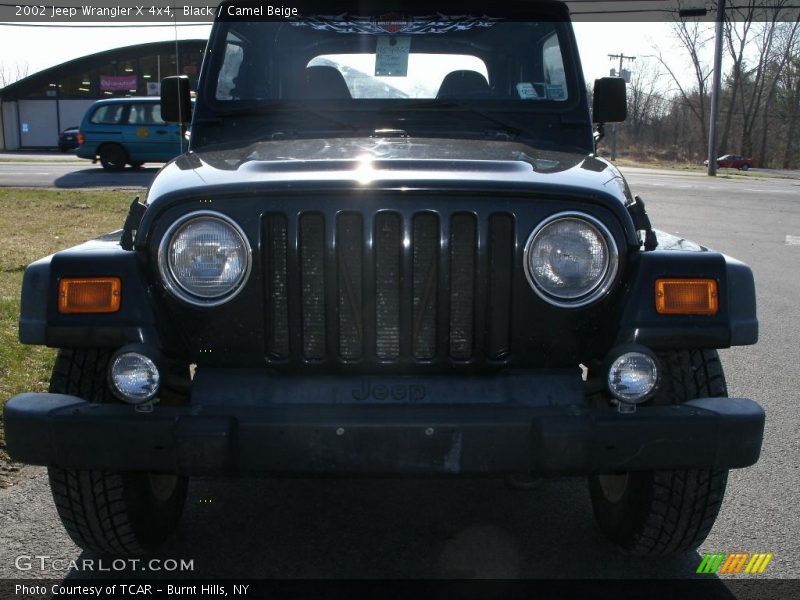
(122, 131)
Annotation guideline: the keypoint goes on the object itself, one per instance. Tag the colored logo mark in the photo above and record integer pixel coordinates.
(735, 562)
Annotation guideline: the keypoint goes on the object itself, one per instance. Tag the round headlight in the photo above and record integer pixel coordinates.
(571, 259)
(205, 258)
(134, 377)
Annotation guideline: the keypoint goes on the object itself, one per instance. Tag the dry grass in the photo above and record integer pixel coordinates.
(679, 166)
(35, 223)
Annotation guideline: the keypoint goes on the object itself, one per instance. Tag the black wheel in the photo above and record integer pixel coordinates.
(136, 164)
(110, 513)
(745, 167)
(658, 513)
(113, 157)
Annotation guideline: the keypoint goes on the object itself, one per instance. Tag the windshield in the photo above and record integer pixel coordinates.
(458, 58)
(447, 75)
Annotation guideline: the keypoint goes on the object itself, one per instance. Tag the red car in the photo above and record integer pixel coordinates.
(733, 161)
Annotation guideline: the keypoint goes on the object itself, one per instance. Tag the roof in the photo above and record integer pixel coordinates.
(42, 78)
(129, 99)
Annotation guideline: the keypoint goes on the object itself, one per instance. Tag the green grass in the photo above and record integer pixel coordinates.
(35, 223)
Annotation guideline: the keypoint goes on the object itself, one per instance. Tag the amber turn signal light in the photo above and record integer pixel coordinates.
(687, 296)
(89, 295)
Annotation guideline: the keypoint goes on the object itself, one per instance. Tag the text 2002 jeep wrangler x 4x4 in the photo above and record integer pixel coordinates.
(389, 250)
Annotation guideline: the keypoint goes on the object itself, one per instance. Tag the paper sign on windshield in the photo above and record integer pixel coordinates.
(391, 56)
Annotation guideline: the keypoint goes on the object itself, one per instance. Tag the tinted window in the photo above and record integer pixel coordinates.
(230, 68)
(555, 80)
(108, 114)
(145, 114)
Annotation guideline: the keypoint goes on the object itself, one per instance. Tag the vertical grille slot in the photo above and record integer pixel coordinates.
(277, 287)
(312, 282)
(349, 266)
(388, 245)
(425, 246)
(501, 262)
(462, 285)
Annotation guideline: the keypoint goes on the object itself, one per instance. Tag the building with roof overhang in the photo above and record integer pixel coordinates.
(34, 110)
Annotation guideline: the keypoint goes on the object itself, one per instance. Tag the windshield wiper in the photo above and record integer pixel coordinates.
(509, 130)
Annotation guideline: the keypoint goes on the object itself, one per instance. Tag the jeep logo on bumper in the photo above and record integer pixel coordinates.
(399, 392)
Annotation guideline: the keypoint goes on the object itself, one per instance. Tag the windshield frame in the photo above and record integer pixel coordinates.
(572, 71)
(574, 110)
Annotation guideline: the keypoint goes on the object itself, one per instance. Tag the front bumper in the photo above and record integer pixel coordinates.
(382, 439)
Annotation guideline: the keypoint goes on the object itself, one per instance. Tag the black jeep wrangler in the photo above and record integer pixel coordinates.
(390, 250)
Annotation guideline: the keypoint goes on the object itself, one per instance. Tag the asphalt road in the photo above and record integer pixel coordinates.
(65, 173)
(481, 528)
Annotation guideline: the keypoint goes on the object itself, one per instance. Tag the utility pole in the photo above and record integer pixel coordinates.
(715, 88)
(621, 58)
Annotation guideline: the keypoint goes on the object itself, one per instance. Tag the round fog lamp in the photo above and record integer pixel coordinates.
(632, 377)
(134, 377)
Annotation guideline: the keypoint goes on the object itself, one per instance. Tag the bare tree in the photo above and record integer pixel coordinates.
(759, 80)
(738, 22)
(760, 93)
(791, 85)
(11, 73)
(693, 37)
(645, 103)
(785, 49)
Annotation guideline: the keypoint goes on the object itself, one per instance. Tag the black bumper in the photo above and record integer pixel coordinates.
(382, 439)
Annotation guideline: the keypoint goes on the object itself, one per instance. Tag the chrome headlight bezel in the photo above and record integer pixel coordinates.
(174, 285)
(603, 284)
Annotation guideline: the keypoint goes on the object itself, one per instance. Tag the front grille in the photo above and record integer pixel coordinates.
(388, 288)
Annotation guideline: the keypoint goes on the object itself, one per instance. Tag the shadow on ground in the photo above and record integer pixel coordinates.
(99, 177)
(298, 528)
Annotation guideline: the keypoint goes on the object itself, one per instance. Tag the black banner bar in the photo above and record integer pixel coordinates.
(604, 589)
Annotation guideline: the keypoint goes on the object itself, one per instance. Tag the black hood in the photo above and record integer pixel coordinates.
(388, 161)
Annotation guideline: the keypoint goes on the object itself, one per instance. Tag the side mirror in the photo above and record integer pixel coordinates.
(610, 102)
(176, 100)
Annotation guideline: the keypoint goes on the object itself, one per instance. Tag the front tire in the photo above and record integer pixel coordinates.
(110, 513)
(665, 512)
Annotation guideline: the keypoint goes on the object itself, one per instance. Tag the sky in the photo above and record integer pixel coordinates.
(39, 48)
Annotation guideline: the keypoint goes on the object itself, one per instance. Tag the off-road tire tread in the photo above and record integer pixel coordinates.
(69, 374)
(91, 504)
(93, 511)
(681, 505)
(686, 502)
